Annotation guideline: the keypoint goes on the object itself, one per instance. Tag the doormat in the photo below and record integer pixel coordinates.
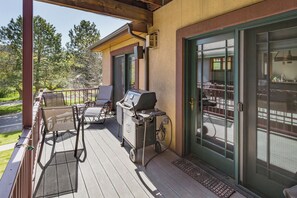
(210, 182)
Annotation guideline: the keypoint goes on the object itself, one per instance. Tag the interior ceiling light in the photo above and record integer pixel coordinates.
(289, 58)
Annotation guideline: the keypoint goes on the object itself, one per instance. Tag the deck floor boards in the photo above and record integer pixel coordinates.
(107, 170)
(122, 170)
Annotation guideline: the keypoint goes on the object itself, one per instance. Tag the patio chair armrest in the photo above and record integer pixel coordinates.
(90, 103)
(107, 104)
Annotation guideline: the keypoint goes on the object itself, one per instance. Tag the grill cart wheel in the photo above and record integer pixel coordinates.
(132, 155)
(158, 147)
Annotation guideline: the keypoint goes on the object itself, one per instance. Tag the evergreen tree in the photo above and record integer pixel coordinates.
(11, 55)
(50, 69)
(87, 67)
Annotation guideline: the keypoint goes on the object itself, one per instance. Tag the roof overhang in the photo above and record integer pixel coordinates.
(120, 35)
(136, 11)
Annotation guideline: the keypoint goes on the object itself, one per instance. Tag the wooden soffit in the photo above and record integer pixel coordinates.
(117, 37)
(121, 9)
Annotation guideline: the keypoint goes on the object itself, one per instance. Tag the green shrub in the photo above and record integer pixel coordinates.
(4, 93)
(11, 96)
(4, 110)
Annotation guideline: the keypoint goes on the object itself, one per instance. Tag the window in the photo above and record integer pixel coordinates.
(218, 63)
(131, 71)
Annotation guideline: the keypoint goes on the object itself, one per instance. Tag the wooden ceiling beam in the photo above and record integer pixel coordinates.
(110, 8)
(139, 27)
(157, 3)
(153, 2)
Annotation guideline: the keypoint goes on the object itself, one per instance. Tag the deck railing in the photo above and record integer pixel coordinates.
(78, 96)
(18, 177)
(216, 94)
(283, 116)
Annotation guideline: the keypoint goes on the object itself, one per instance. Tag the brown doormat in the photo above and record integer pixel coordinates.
(210, 182)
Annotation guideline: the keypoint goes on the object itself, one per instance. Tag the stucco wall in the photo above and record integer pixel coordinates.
(168, 19)
(106, 63)
(106, 80)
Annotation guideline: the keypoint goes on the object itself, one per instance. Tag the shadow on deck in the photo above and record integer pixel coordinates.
(107, 170)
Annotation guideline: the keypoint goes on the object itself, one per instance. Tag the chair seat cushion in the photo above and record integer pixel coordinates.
(101, 102)
(93, 111)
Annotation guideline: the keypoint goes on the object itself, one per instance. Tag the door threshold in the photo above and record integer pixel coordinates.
(222, 176)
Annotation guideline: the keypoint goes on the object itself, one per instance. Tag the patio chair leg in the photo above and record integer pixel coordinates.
(41, 146)
(77, 137)
(119, 129)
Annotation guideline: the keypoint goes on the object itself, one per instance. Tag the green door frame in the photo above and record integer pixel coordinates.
(190, 72)
(238, 163)
(191, 92)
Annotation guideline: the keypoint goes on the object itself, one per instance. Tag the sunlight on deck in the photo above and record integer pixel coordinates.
(107, 170)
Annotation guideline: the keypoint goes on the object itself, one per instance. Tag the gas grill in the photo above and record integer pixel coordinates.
(137, 115)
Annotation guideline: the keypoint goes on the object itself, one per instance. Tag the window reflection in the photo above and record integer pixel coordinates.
(215, 89)
(277, 103)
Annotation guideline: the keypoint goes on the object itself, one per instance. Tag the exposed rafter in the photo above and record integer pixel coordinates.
(110, 8)
(153, 2)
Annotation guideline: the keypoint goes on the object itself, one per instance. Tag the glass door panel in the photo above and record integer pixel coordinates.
(276, 99)
(272, 164)
(118, 79)
(215, 108)
(131, 71)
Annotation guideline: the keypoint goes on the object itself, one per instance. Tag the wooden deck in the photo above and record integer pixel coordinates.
(107, 170)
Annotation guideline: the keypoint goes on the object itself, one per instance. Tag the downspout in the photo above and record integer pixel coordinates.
(146, 57)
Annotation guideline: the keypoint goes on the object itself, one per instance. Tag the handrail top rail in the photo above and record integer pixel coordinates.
(8, 179)
(68, 90)
(9, 176)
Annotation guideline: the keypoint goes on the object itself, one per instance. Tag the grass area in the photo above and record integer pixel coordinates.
(9, 137)
(11, 97)
(4, 158)
(10, 109)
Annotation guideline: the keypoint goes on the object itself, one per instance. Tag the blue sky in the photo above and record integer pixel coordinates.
(61, 17)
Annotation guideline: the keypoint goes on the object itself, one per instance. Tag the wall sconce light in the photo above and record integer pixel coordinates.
(152, 40)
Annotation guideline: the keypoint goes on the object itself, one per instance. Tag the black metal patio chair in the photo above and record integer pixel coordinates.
(52, 99)
(96, 111)
(60, 119)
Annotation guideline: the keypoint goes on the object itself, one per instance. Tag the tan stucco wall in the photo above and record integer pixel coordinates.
(168, 19)
(106, 80)
(106, 63)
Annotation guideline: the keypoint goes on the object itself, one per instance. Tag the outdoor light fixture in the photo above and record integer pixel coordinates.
(152, 39)
(289, 58)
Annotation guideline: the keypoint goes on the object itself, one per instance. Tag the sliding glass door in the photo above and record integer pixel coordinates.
(124, 75)
(271, 62)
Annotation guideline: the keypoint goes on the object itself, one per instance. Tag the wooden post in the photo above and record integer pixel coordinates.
(27, 63)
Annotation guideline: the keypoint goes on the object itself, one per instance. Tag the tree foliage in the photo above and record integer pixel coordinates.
(54, 66)
(11, 55)
(49, 68)
(47, 55)
(86, 67)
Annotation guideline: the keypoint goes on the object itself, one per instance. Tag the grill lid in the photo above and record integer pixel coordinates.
(142, 99)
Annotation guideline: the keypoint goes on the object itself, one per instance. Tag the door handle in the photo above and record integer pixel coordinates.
(192, 102)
